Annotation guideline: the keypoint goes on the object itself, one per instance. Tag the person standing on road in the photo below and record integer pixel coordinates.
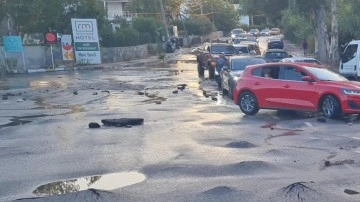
(220, 62)
(305, 46)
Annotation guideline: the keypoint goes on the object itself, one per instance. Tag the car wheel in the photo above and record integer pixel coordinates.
(330, 107)
(211, 72)
(248, 103)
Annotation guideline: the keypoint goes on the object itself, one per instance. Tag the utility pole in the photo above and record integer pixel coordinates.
(164, 20)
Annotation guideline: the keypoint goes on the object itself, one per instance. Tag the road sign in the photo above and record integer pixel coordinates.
(67, 48)
(50, 38)
(13, 44)
(86, 41)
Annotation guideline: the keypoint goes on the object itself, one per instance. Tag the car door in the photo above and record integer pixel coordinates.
(265, 85)
(294, 92)
(225, 75)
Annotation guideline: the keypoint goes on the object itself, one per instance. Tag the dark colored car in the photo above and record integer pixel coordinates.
(206, 57)
(242, 48)
(275, 43)
(236, 65)
(296, 86)
(275, 55)
(254, 46)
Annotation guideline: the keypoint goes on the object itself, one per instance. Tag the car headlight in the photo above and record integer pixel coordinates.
(350, 92)
(232, 36)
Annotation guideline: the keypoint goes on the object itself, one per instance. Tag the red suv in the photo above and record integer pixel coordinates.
(296, 86)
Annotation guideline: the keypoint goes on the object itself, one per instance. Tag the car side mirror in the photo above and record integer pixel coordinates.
(307, 78)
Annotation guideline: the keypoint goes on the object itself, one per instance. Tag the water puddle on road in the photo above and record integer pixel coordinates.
(102, 182)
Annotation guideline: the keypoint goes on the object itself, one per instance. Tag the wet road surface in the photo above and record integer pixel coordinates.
(187, 138)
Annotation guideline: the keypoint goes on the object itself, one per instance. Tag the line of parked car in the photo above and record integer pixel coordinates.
(277, 80)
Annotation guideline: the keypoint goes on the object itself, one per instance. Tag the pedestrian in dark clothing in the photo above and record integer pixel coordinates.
(305, 46)
(220, 62)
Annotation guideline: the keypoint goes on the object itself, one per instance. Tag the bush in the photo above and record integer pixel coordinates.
(295, 27)
(7, 65)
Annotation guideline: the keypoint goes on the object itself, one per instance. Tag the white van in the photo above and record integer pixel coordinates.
(350, 61)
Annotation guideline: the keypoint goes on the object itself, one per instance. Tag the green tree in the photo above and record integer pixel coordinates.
(42, 15)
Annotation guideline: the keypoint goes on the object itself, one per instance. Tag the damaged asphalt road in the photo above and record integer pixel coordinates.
(193, 145)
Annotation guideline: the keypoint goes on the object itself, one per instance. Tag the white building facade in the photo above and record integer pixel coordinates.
(117, 8)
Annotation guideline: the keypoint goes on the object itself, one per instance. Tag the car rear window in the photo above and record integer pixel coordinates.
(276, 55)
(241, 63)
(222, 49)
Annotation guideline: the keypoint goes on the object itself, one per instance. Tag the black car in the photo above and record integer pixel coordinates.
(275, 55)
(275, 43)
(236, 65)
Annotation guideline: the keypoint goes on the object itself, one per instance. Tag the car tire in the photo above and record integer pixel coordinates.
(211, 72)
(330, 107)
(248, 103)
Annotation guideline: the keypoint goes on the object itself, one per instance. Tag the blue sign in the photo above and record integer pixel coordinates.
(13, 44)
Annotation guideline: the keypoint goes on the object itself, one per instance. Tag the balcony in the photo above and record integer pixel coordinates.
(123, 14)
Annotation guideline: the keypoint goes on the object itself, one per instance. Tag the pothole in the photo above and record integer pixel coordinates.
(102, 182)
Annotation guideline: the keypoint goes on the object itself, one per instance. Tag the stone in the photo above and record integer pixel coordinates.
(157, 102)
(175, 91)
(327, 163)
(122, 122)
(94, 125)
(105, 91)
(321, 119)
(4, 97)
(351, 192)
(214, 98)
(75, 93)
(95, 93)
(141, 93)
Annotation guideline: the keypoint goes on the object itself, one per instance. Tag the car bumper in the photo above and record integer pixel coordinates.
(351, 105)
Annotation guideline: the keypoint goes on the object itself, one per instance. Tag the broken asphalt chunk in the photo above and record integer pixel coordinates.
(123, 122)
(321, 119)
(94, 125)
(350, 192)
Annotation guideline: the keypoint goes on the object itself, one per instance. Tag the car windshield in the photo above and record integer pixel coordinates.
(274, 29)
(224, 49)
(241, 63)
(237, 31)
(242, 49)
(276, 55)
(238, 40)
(325, 74)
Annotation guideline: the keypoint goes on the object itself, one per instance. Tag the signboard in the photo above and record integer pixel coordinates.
(13, 44)
(67, 48)
(50, 38)
(86, 41)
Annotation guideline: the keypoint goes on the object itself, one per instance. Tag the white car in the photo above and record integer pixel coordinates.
(265, 32)
(302, 60)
